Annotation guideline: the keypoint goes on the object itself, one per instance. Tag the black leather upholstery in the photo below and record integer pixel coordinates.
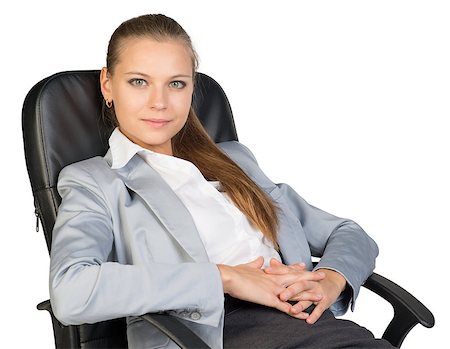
(62, 124)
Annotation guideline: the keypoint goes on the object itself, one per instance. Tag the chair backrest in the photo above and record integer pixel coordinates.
(62, 124)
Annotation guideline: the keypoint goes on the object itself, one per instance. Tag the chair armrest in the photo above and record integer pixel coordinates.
(176, 331)
(408, 311)
(65, 336)
(68, 337)
(45, 305)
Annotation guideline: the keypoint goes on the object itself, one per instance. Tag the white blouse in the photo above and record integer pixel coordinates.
(228, 236)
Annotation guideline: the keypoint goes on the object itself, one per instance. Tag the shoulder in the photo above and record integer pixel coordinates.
(92, 174)
(86, 168)
(245, 159)
(238, 152)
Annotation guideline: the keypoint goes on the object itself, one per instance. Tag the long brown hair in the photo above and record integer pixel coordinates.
(193, 143)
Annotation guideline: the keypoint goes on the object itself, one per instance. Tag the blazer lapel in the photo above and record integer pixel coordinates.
(165, 204)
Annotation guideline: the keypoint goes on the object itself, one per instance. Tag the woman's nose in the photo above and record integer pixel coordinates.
(158, 98)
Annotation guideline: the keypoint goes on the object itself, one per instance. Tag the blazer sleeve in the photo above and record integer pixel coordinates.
(341, 244)
(87, 286)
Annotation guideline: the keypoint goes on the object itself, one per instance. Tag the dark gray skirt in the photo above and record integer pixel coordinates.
(249, 325)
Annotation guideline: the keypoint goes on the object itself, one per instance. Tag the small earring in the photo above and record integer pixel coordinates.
(108, 103)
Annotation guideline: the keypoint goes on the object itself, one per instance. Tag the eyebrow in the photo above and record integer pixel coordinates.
(148, 76)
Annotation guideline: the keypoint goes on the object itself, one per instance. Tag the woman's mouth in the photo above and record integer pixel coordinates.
(158, 123)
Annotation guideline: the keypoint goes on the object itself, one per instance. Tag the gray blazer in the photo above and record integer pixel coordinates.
(124, 245)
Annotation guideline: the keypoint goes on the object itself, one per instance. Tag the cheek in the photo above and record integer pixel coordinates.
(128, 105)
(182, 104)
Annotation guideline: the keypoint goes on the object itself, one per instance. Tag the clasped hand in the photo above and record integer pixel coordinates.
(278, 284)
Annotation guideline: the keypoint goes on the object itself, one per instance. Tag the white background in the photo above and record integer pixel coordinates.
(346, 101)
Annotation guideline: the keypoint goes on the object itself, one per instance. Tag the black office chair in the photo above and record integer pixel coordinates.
(62, 124)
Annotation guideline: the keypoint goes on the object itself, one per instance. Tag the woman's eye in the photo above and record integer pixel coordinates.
(138, 82)
(177, 84)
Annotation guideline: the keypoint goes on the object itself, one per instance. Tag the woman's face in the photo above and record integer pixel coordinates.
(151, 89)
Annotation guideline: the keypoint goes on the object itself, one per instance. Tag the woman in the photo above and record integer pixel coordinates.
(169, 221)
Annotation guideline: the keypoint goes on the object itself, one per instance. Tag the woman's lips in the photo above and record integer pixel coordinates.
(156, 122)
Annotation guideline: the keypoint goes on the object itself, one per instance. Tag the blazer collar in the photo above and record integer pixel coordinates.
(142, 179)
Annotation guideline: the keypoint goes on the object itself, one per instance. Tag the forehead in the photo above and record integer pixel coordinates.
(150, 56)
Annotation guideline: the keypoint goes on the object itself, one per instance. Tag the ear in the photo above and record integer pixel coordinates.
(105, 84)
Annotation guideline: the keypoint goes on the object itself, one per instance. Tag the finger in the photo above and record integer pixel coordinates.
(293, 290)
(320, 274)
(307, 296)
(316, 314)
(294, 269)
(300, 306)
(297, 287)
(277, 270)
(275, 262)
(290, 276)
(285, 307)
(299, 266)
(290, 294)
(276, 267)
(302, 315)
(257, 263)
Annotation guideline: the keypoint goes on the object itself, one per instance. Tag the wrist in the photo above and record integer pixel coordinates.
(335, 277)
(225, 275)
